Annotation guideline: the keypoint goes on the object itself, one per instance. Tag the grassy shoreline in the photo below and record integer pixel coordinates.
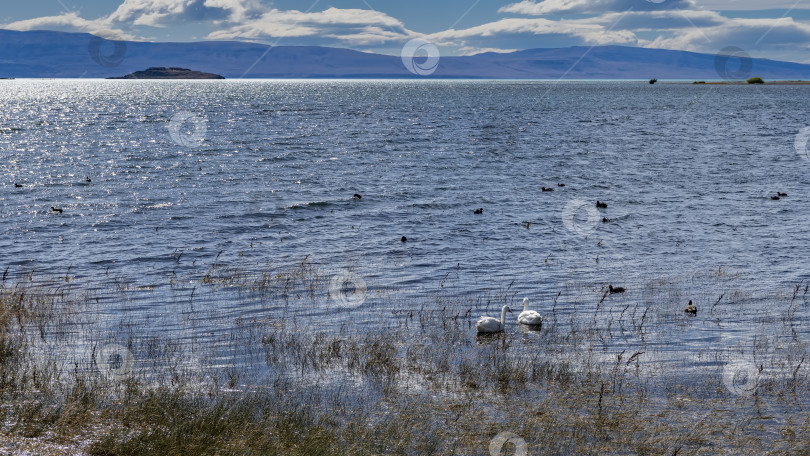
(423, 385)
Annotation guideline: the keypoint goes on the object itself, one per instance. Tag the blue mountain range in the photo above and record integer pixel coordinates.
(48, 54)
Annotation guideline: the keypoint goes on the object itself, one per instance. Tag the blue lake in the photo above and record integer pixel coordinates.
(248, 174)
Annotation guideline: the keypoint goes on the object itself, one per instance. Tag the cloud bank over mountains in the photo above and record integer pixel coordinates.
(671, 24)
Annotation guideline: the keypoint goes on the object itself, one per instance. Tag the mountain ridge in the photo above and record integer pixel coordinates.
(46, 54)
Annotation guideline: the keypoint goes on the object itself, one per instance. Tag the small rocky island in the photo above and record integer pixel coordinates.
(169, 73)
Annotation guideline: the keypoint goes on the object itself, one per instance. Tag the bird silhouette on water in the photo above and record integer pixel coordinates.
(357, 196)
(56, 209)
(480, 210)
(613, 289)
(547, 189)
(690, 308)
(601, 205)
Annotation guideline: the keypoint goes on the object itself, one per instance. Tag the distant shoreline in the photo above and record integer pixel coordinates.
(797, 82)
(360, 79)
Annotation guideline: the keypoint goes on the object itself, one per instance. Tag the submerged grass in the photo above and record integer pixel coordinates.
(593, 380)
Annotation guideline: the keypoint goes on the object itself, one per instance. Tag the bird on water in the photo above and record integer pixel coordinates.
(529, 317)
(616, 289)
(56, 209)
(480, 210)
(601, 205)
(690, 308)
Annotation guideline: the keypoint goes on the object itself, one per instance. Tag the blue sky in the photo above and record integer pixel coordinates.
(456, 27)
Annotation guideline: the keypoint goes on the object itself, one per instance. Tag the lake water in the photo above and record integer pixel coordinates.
(184, 175)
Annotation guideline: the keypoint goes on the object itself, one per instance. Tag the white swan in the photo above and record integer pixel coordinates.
(529, 317)
(491, 324)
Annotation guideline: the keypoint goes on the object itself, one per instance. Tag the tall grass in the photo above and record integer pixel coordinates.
(598, 378)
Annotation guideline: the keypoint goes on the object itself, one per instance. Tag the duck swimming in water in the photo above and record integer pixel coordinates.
(480, 210)
(601, 205)
(690, 308)
(613, 289)
(546, 189)
(56, 209)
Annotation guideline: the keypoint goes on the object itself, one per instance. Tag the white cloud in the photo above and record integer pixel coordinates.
(691, 30)
(672, 24)
(588, 32)
(71, 22)
(751, 35)
(726, 5)
(161, 13)
(533, 8)
(240, 10)
(658, 21)
(474, 50)
(351, 26)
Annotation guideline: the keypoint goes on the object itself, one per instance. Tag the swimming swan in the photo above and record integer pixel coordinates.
(491, 324)
(529, 317)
